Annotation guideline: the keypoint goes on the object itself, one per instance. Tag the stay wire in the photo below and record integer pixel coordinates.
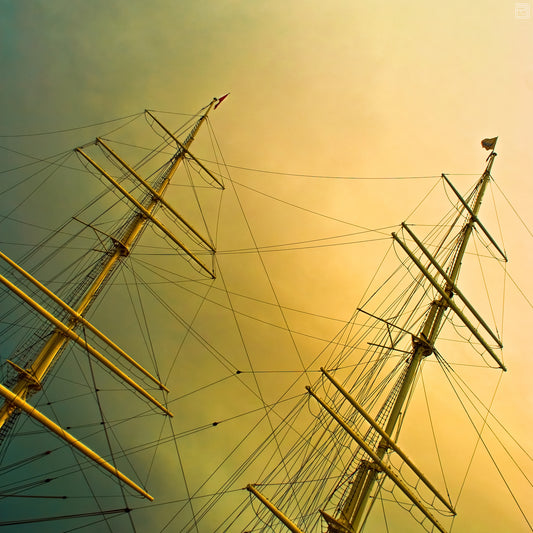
(65, 130)
(480, 439)
(105, 426)
(526, 227)
(278, 304)
(143, 324)
(434, 436)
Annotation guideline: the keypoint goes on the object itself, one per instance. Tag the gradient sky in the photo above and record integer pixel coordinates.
(339, 88)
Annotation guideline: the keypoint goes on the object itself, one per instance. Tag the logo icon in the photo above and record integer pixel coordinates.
(522, 10)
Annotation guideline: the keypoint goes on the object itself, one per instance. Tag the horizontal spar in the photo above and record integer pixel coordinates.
(66, 436)
(475, 218)
(154, 193)
(291, 526)
(452, 285)
(449, 302)
(81, 342)
(145, 211)
(82, 319)
(389, 441)
(390, 473)
(184, 148)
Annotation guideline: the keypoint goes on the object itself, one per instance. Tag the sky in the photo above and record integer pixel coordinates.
(319, 91)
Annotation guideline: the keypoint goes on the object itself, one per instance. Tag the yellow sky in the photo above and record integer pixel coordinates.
(338, 88)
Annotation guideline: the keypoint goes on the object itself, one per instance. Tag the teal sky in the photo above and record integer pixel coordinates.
(340, 88)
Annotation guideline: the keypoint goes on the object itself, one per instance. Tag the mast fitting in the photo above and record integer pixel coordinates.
(33, 382)
(422, 343)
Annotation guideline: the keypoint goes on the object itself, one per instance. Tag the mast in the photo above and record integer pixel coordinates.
(355, 507)
(29, 379)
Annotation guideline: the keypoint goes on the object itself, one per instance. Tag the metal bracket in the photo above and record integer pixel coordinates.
(33, 381)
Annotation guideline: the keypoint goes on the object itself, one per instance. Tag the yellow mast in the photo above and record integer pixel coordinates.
(356, 504)
(29, 379)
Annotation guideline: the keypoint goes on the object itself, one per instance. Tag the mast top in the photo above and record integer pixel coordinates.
(489, 144)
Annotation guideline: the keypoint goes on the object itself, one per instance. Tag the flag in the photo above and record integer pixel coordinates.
(220, 100)
(489, 144)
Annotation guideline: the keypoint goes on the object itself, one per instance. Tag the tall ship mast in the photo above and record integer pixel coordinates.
(150, 383)
(370, 465)
(27, 371)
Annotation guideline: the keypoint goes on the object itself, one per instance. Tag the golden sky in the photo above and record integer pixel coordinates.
(341, 88)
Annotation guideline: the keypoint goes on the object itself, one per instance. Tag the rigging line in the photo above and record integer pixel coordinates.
(354, 178)
(90, 524)
(269, 248)
(269, 278)
(52, 132)
(234, 182)
(517, 287)
(13, 466)
(282, 327)
(487, 292)
(12, 169)
(105, 426)
(195, 494)
(34, 496)
(44, 228)
(146, 330)
(195, 192)
(39, 185)
(434, 436)
(497, 215)
(62, 156)
(208, 386)
(514, 211)
(363, 303)
(35, 159)
(245, 347)
(318, 239)
(504, 299)
(214, 143)
(211, 349)
(40, 160)
(480, 439)
(271, 406)
(156, 503)
(422, 200)
(225, 362)
(383, 508)
(153, 267)
(82, 470)
(286, 425)
(74, 455)
(473, 394)
(196, 115)
(189, 328)
(261, 259)
(62, 517)
(70, 398)
(298, 175)
(183, 475)
(276, 248)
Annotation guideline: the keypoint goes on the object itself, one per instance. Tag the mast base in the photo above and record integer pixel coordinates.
(334, 526)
